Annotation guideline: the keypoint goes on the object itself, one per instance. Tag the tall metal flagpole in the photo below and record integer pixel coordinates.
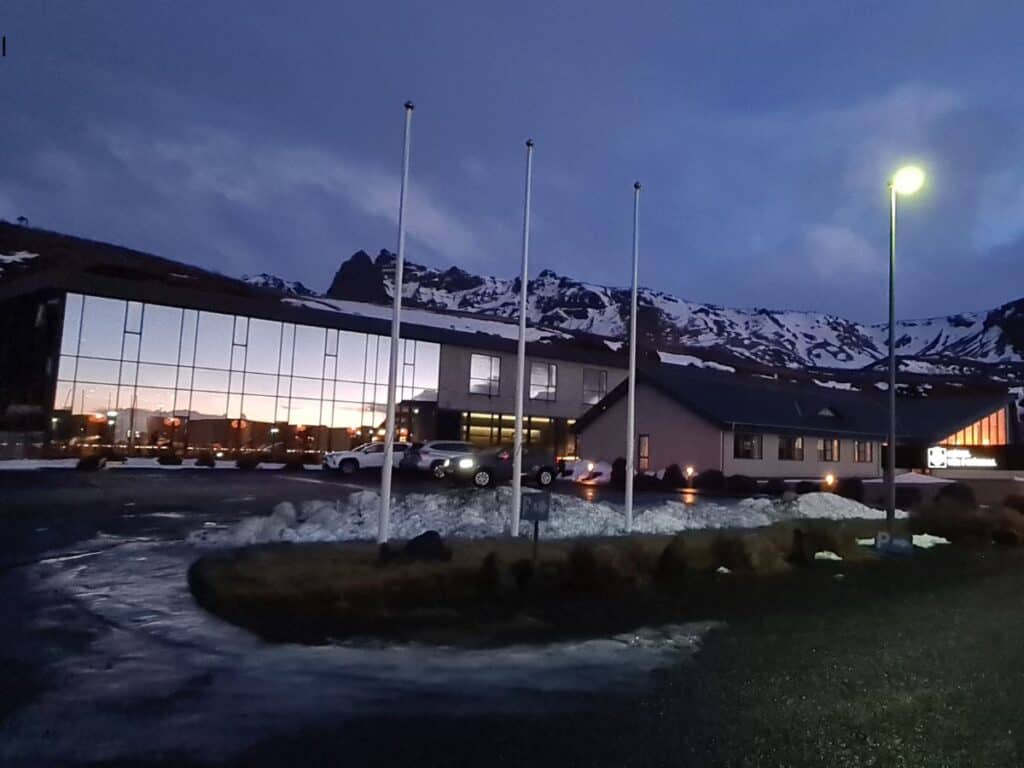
(631, 397)
(517, 449)
(890, 463)
(396, 322)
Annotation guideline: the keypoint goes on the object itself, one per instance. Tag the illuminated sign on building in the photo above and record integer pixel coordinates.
(940, 457)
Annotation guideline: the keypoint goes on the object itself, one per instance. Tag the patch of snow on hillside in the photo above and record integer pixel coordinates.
(15, 258)
(673, 358)
(836, 385)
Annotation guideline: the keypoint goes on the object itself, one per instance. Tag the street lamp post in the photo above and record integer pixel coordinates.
(906, 181)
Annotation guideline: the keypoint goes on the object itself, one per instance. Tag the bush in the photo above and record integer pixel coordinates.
(741, 485)
(92, 462)
(907, 497)
(248, 462)
(1014, 501)
(775, 487)
(206, 459)
(169, 459)
(806, 486)
(951, 519)
(851, 488)
(644, 482)
(618, 476)
(674, 477)
(710, 480)
(958, 492)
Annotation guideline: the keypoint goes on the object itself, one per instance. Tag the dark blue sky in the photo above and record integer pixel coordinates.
(255, 137)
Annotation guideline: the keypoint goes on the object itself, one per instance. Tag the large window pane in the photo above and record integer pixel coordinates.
(264, 346)
(347, 415)
(595, 385)
(260, 384)
(258, 408)
(98, 371)
(352, 356)
(306, 387)
(209, 404)
(72, 320)
(190, 320)
(208, 379)
(543, 381)
(97, 398)
(161, 332)
(484, 375)
(309, 351)
(157, 375)
(213, 349)
(102, 327)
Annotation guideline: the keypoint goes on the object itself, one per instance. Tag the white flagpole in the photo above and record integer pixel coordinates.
(631, 397)
(384, 525)
(517, 450)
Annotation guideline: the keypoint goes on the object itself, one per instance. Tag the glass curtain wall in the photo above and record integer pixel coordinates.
(148, 375)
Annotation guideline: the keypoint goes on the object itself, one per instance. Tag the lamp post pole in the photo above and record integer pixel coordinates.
(631, 393)
(890, 462)
(517, 448)
(384, 524)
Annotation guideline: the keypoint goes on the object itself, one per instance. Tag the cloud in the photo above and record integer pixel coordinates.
(835, 251)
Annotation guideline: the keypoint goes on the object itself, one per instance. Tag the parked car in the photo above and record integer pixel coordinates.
(431, 455)
(492, 466)
(366, 456)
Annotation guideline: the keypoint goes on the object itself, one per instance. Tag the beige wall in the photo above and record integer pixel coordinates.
(771, 466)
(453, 385)
(679, 436)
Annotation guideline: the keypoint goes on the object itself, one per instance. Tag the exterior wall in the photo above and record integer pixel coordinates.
(677, 435)
(771, 466)
(454, 394)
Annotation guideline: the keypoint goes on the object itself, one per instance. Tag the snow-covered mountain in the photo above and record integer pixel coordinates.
(772, 338)
(264, 280)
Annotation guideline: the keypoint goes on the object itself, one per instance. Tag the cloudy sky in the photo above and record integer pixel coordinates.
(253, 137)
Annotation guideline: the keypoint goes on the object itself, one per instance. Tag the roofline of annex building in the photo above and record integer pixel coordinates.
(155, 281)
(707, 378)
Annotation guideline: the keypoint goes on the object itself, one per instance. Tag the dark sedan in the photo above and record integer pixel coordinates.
(495, 466)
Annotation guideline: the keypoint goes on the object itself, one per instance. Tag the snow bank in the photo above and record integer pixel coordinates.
(469, 513)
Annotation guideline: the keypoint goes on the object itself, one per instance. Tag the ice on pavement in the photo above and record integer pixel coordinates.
(470, 513)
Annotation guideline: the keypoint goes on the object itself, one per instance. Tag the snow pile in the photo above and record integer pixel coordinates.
(469, 513)
(677, 359)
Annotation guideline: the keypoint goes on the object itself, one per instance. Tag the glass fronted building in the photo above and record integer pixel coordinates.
(148, 375)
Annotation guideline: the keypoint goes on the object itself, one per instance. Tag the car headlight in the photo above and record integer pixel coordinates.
(466, 463)
(590, 466)
(447, 463)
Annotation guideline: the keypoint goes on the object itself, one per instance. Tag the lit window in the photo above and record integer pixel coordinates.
(543, 381)
(595, 385)
(863, 451)
(828, 450)
(485, 375)
(791, 448)
(747, 446)
(644, 453)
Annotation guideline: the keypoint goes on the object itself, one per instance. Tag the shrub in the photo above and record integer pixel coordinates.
(741, 485)
(958, 492)
(618, 476)
(248, 462)
(907, 497)
(206, 459)
(644, 482)
(674, 477)
(947, 517)
(775, 487)
(168, 459)
(806, 486)
(851, 488)
(599, 569)
(1014, 501)
(710, 480)
(91, 462)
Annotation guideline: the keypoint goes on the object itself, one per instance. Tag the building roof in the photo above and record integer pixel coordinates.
(34, 260)
(738, 402)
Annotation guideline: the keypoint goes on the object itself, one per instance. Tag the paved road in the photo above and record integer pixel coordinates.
(105, 661)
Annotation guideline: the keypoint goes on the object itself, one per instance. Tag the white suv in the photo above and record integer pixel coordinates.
(366, 456)
(432, 454)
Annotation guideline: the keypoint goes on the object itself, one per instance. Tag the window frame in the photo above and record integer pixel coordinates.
(757, 440)
(796, 446)
(492, 382)
(602, 389)
(550, 388)
(865, 457)
(829, 456)
(643, 452)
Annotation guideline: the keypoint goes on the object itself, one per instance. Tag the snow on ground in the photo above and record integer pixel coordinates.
(470, 513)
(131, 463)
(914, 478)
(673, 358)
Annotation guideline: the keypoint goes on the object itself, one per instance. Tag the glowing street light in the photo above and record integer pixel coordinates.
(906, 181)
